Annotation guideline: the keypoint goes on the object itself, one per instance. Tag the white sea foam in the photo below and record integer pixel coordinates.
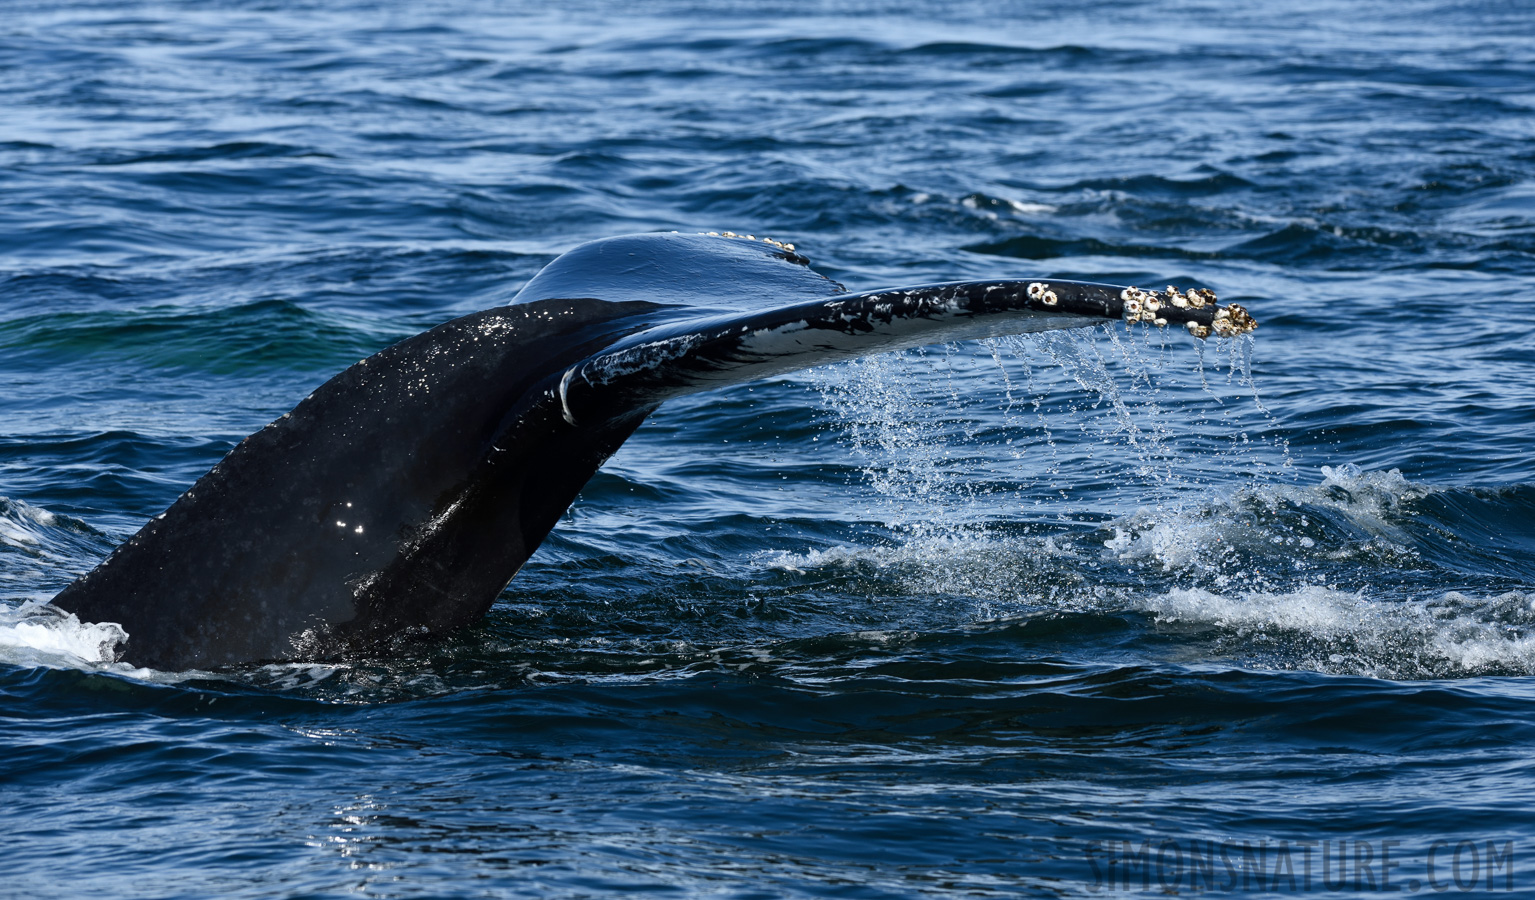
(1311, 626)
(1271, 519)
(1248, 526)
(1370, 499)
(979, 202)
(1325, 629)
(34, 634)
(1030, 209)
(21, 523)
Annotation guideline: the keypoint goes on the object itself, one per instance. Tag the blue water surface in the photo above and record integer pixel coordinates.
(981, 620)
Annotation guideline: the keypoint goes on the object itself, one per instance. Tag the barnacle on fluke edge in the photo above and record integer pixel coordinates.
(1196, 308)
(1153, 307)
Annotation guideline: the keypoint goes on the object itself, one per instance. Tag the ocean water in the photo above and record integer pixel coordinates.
(1088, 613)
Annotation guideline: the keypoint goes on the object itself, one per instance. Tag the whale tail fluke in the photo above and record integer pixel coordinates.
(406, 492)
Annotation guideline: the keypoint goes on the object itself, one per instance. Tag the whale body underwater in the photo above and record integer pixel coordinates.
(404, 494)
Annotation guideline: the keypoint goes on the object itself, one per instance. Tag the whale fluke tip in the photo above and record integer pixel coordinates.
(1197, 309)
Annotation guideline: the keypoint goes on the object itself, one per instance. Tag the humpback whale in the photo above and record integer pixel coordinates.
(404, 494)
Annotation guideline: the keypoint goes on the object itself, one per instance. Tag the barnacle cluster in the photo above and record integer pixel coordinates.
(1232, 320)
(1042, 293)
(1150, 307)
(751, 237)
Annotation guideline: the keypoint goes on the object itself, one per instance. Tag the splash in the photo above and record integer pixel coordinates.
(1102, 472)
(917, 449)
(995, 485)
(1064, 423)
(999, 575)
(34, 634)
(1323, 629)
(1259, 533)
(1253, 537)
(1044, 469)
(1329, 577)
(22, 524)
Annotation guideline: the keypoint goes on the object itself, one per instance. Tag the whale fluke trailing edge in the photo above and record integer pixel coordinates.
(403, 494)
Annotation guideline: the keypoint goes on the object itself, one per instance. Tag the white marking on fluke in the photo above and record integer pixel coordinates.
(564, 399)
